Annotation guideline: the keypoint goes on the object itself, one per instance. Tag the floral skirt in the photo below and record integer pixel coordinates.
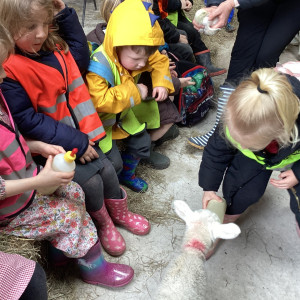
(60, 218)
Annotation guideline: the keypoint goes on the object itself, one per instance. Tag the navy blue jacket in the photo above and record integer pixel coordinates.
(219, 155)
(36, 125)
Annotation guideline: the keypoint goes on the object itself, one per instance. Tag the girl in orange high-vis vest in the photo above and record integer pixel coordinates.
(50, 102)
(60, 218)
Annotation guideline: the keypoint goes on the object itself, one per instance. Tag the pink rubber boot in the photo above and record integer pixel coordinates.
(94, 269)
(110, 238)
(227, 219)
(120, 214)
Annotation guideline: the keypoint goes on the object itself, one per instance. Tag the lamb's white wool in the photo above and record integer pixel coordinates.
(185, 277)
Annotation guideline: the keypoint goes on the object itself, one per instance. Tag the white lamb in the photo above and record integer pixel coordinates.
(185, 278)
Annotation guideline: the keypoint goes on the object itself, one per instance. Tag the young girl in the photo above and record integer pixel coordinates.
(60, 218)
(261, 128)
(50, 102)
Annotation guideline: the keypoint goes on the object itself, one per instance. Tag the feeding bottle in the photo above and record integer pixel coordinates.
(62, 162)
(218, 208)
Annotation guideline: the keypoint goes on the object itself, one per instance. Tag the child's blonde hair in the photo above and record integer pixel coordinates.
(15, 14)
(261, 109)
(107, 7)
(6, 41)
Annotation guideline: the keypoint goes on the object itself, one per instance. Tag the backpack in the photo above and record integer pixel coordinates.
(194, 101)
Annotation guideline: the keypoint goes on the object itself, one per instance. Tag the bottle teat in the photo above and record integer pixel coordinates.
(71, 155)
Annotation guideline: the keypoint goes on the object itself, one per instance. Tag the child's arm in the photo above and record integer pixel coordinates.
(71, 31)
(44, 149)
(217, 156)
(160, 73)
(46, 178)
(112, 99)
(38, 126)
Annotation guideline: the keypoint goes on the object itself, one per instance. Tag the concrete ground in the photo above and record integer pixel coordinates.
(262, 263)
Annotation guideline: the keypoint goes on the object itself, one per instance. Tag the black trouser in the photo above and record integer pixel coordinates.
(193, 35)
(264, 32)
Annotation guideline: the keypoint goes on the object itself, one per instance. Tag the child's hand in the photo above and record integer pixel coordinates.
(143, 90)
(183, 39)
(58, 5)
(209, 195)
(189, 6)
(48, 177)
(186, 81)
(160, 93)
(44, 149)
(185, 4)
(287, 180)
(89, 154)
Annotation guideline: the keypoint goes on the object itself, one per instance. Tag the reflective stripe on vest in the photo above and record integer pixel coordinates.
(15, 163)
(288, 161)
(64, 98)
(102, 65)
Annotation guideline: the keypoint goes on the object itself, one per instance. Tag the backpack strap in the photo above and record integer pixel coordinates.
(101, 67)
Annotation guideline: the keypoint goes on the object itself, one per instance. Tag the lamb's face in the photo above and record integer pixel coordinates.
(199, 227)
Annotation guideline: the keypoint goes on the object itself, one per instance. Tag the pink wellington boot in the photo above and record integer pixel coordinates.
(94, 269)
(110, 238)
(120, 214)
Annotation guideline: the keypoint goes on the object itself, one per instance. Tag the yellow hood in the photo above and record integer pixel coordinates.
(132, 23)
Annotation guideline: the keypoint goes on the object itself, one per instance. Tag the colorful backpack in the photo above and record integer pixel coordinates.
(194, 101)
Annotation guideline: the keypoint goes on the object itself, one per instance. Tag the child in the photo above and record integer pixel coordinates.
(168, 112)
(60, 218)
(261, 129)
(21, 278)
(130, 48)
(50, 102)
(174, 10)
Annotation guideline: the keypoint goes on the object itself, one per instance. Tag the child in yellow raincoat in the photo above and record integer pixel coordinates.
(129, 49)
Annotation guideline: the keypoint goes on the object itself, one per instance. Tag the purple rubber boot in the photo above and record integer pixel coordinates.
(94, 269)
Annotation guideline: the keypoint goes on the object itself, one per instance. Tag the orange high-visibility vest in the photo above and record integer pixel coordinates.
(64, 98)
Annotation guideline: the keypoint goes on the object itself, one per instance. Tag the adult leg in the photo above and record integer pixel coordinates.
(253, 25)
(285, 24)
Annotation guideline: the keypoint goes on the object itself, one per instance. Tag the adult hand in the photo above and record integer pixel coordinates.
(222, 12)
(89, 154)
(48, 177)
(160, 93)
(287, 180)
(209, 195)
(58, 5)
(183, 39)
(143, 90)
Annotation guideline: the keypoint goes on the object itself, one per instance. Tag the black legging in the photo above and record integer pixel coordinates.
(264, 31)
(193, 35)
(37, 287)
(103, 185)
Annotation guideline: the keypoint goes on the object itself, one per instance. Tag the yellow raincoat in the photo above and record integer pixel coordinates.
(130, 24)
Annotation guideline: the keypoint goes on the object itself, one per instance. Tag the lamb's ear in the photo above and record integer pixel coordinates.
(182, 210)
(225, 231)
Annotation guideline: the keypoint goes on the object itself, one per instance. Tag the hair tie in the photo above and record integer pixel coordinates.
(260, 90)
